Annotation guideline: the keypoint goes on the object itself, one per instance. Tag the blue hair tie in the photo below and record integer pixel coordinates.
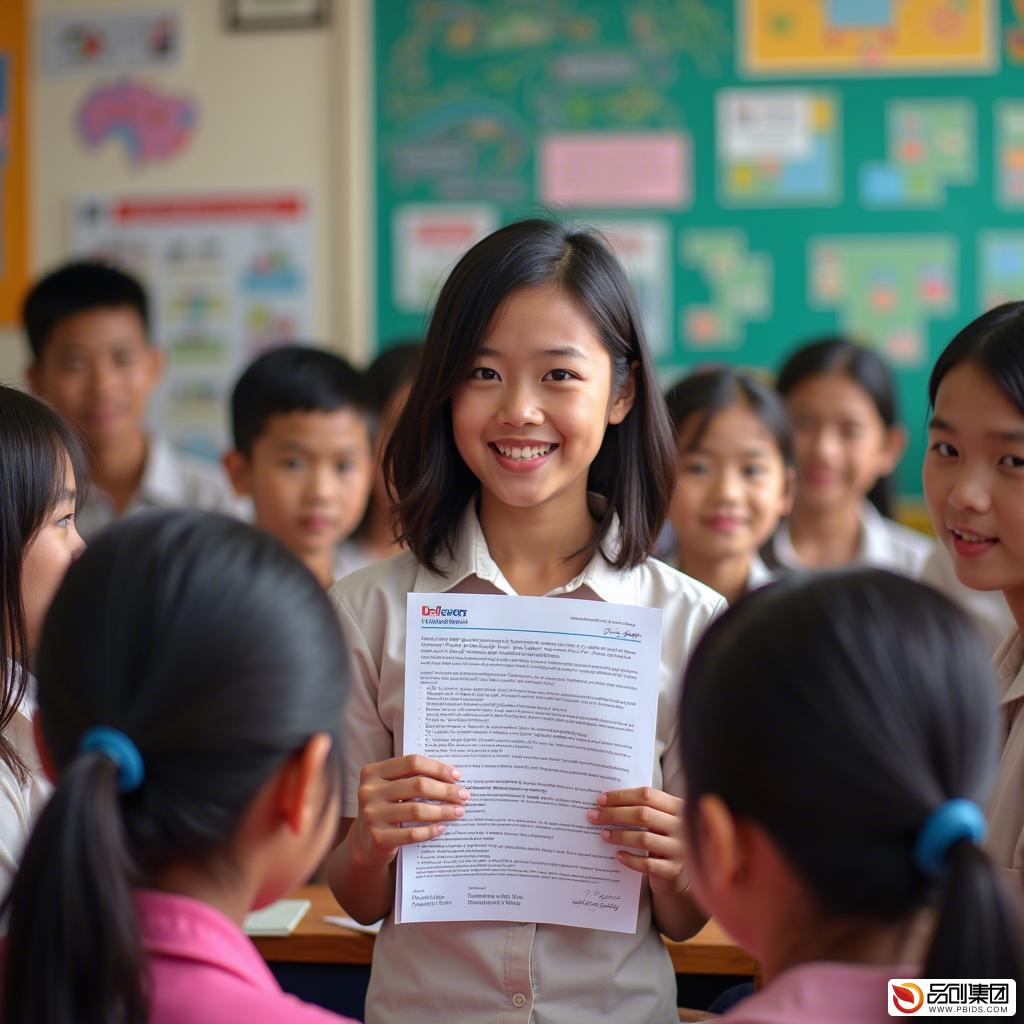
(946, 825)
(119, 749)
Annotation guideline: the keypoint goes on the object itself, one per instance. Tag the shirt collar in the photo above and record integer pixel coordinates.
(471, 557)
(1009, 668)
(181, 927)
(872, 548)
(161, 482)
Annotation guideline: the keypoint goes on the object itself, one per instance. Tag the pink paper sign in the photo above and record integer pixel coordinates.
(651, 169)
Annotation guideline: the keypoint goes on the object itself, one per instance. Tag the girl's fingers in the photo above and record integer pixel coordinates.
(657, 846)
(392, 838)
(411, 812)
(413, 764)
(646, 796)
(419, 787)
(653, 866)
(644, 817)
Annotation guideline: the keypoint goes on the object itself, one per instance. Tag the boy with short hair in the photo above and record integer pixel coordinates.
(93, 360)
(304, 453)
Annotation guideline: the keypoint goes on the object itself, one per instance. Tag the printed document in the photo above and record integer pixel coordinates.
(542, 704)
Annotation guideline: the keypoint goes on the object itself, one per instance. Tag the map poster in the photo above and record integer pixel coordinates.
(228, 276)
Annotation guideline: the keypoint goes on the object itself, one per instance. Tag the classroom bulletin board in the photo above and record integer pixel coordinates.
(14, 197)
(768, 170)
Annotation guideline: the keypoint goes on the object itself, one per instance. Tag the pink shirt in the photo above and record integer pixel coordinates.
(822, 993)
(205, 970)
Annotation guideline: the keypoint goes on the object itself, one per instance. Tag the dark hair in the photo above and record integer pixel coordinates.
(838, 711)
(219, 655)
(78, 287)
(292, 378)
(35, 445)
(865, 368)
(634, 468)
(994, 342)
(708, 392)
(391, 370)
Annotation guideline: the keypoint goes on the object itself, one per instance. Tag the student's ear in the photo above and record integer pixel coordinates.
(34, 376)
(788, 490)
(624, 398)
(722, 852)
(43, 751)
(298, 799)
(895, 445)
(236, 465)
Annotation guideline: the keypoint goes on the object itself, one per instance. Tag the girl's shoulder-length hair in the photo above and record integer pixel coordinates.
(634, 468)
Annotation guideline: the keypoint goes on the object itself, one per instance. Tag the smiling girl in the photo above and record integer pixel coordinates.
(842, 403)
(533, 458)
(974, 487)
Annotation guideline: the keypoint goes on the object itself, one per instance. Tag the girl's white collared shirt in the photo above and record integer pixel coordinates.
(20, 802)
(470, 972)
(884, 544)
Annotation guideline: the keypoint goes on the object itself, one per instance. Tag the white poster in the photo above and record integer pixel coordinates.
(765, 123)
(228, 276)
(542, 704)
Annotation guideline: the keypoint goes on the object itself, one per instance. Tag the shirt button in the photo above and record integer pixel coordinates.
(519, 1000)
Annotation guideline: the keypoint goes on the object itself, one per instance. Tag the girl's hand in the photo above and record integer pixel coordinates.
(661, 817)
(391, 794)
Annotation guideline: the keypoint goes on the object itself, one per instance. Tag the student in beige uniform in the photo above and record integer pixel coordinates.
(974, 487)
(93, 360)
(848, 439)
(734, 477)
(535, 458)
(41, 468)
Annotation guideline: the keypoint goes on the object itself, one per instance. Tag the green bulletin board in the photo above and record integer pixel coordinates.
(768, 170)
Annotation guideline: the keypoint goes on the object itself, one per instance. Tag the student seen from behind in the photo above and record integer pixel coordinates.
(303, 453)
(191, 679)
(93, 359)
(42, 475)
(839, 739)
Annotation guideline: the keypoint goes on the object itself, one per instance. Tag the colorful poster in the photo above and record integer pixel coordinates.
(861, 37)
(228, 276)
(1009, 116)
(738, 282)
(428, 239)
(931, 145)
(1000, 267)
(152, 126)
(634, 169)
(644, 248)
(885, 288)
(777, 147)
(144, 40)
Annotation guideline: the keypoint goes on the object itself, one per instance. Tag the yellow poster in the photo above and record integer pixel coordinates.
(846, 37)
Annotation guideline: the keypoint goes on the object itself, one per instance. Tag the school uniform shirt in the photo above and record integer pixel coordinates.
(513, 973)
(987, 608)
(884, 544)
(170, 479)
(1005, 812)
(349, 557)
(822, 993)
(20, 802)
(204, 970)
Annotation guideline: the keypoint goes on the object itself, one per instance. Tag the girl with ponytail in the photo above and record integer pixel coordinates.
(839, 740)
(191, 677)
(42, 472)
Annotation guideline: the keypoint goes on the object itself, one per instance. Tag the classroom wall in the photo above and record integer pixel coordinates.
(276, 109)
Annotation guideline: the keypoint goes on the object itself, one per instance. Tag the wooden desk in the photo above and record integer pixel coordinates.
(710, 951)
